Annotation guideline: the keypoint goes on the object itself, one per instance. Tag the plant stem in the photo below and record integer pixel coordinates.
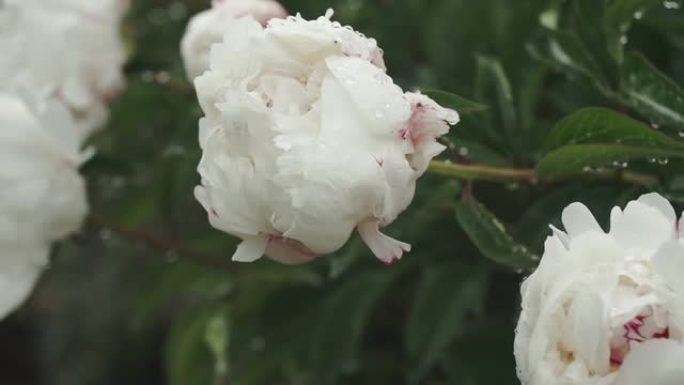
(483, 173)
(164, 244)
(510, 175)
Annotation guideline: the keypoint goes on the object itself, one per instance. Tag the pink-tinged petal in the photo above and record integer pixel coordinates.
(385, 248)
(577, 219)
(289, 251)
(251, 249)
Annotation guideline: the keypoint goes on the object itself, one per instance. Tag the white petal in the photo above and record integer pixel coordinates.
(250, 249)
(373, 92)
(20, 267)
(590, 337)
(668, 262)
(561, 235)
(577, 219)
(642, 226)
(658, 202)
(386, 249)
(654, 362)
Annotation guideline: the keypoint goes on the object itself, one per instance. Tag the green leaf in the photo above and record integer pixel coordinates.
(177, 281)
(491, 238)
(446, 295)
(453, 101)
(575, 159)
(482, 355)
(494, 88)
(567, 53)
(192, 347)
(652, 93)
(618, 19)
(343, 316)
(601, 125)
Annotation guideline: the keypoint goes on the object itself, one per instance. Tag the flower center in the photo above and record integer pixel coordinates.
(645, 326)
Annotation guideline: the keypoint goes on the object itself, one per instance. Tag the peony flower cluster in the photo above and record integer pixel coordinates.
(208, 27)
(607, 308)
(305, 138)
(43, 195)
(72, 47)
(61, 61)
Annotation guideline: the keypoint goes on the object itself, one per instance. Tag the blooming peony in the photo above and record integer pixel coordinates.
(305, 138)
(43, 196)
(208, 28)
(71, 46)
(607, 308)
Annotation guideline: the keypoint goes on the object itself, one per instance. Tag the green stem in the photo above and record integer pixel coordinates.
(511, 175)
(158, 242)
(482, 173)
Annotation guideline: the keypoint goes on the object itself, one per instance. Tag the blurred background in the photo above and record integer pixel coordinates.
(146, 294)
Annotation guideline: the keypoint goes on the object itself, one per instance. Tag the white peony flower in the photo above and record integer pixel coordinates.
(71, 46)
(306, 138)
(208, 27)
(42, 195)
(607, 308)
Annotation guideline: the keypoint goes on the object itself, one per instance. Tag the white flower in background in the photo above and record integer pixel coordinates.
(42, 195)
(306, 138)
(208, 27)
(607, 308)
(73, 47)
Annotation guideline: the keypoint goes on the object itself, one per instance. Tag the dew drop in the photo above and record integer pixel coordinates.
(106, 235)
(147, 76)
(257, 343)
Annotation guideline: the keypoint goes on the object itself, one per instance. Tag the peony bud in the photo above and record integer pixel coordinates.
(208, 27)
(606, 308)
(305, 138)
(73, 47)
(43, 195)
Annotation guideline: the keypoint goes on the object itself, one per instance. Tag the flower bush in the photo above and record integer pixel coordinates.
(146, 142)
